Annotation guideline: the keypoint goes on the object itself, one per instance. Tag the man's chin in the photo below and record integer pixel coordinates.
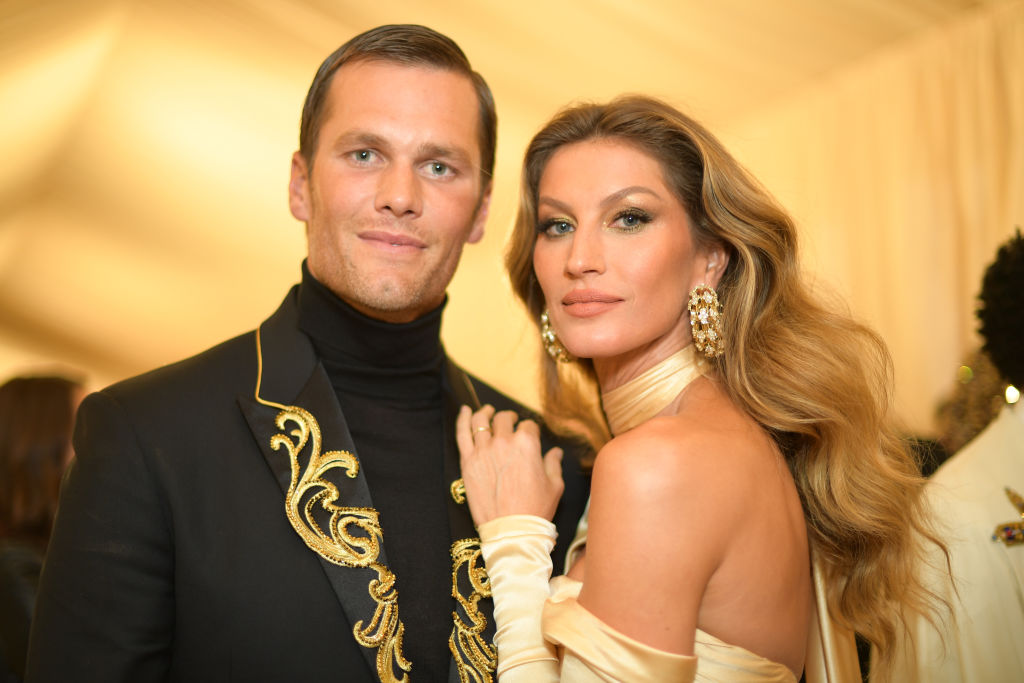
(394, 304)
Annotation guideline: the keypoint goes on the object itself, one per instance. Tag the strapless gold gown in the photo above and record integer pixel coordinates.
(545, 636)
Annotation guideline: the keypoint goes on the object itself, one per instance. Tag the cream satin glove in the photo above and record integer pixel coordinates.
(517, 552)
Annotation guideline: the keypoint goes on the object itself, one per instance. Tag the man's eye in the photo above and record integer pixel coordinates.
(439, 169)
(363, 155)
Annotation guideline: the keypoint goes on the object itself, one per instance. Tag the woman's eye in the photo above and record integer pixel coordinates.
(556, 227)
(632, 220)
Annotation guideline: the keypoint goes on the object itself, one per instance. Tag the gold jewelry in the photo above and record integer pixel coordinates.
(643, 397)
(1011, 533)
(706, 321)
(458, 490)
(550, 339)
(480, 429)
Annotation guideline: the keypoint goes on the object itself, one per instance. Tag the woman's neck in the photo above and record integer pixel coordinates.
(614, 371)
(652, 392)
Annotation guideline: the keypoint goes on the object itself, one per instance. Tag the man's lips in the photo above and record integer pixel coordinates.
(392, 239)
(585, 303)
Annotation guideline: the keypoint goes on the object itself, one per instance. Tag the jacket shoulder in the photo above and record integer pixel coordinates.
(227, 367)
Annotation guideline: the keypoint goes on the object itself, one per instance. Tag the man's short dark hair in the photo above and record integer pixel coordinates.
(1001, 310)
(407, 44)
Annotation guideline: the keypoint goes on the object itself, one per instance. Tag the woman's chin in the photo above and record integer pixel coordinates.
(593, 349)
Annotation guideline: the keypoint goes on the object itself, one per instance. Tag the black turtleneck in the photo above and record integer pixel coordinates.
(388, 381)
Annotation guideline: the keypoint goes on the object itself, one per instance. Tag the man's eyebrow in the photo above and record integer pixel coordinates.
(362, 138)
(431, 150)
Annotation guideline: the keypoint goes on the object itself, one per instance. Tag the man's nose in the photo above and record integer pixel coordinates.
(398, 191)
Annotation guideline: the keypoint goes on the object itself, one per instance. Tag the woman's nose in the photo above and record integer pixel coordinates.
(586, 255)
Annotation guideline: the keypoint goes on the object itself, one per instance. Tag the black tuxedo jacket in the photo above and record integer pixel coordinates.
(215, 526)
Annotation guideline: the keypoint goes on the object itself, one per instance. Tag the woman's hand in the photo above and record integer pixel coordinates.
(502, 466)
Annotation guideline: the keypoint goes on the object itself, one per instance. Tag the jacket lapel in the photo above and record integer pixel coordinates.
(297, 422)
(474, 657)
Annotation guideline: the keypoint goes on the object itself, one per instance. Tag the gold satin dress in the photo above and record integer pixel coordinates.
(545, 636)
(569, 644)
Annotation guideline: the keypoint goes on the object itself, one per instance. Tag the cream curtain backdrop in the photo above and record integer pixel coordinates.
(143, 213)
(905, 173)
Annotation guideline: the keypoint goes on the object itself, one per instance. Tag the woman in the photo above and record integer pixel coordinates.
(36, 418)
(750, 425)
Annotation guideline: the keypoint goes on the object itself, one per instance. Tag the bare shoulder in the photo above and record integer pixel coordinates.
(666, 499)
(695, 521)
(708, 449)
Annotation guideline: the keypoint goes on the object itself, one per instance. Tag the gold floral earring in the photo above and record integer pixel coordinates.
(550, 339)
(706, 321)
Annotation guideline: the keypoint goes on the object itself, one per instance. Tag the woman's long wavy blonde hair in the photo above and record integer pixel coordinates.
(816, 380)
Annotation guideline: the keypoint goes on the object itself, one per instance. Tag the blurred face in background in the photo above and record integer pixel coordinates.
(36, 423)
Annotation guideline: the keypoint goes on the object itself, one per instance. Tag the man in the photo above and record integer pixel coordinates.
(976, 498)
(287, 506)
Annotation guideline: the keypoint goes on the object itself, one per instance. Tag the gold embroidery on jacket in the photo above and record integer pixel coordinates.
(475, 658)
(354, 535)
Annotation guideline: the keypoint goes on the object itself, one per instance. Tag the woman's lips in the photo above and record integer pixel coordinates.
(586, 303)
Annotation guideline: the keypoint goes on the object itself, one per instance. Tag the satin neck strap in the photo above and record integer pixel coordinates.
(643, 397)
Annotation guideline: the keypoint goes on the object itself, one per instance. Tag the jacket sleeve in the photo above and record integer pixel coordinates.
(105, 609)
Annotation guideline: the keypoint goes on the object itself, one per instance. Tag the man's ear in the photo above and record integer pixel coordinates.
(477, 233)
(717, 258)
(298, 188)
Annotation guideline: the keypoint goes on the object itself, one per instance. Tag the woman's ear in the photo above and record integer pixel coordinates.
(716, 259)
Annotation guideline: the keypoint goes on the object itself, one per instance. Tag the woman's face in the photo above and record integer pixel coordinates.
(614, 253)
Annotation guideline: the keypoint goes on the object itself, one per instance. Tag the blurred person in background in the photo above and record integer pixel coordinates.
(36, 418)
(976, 498)
(977, 398)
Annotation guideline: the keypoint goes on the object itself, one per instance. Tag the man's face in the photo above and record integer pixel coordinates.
(395, 189)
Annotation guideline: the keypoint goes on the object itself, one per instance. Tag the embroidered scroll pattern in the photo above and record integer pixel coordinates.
(475, 657)
(353, 537)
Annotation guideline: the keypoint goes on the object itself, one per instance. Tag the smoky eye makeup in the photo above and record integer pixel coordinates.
(630, 219)
(554, 226)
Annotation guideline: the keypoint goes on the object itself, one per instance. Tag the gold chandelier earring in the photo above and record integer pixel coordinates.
(550, 339)
(706, 321)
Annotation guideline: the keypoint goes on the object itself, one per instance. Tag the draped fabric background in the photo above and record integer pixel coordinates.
(905, 173)
(142, 200)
